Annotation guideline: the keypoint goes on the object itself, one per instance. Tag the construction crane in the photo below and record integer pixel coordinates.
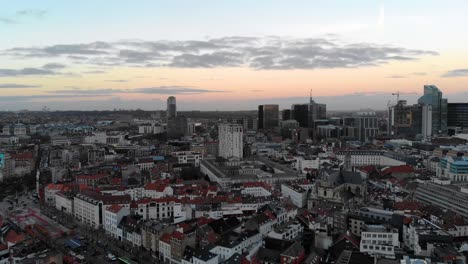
(398, 95)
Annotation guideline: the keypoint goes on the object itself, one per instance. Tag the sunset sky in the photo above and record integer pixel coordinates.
(229, 55)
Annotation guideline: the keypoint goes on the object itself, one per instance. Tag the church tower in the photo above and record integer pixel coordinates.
(347, 162)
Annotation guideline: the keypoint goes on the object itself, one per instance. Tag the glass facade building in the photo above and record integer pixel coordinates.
(458, 115)
(433, 96)
(268, 116)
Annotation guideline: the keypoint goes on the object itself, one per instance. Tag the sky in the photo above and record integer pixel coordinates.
(229, 55)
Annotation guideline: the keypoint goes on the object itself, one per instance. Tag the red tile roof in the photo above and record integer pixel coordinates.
(115, 208)
(166, 238)
(91, 177)
(13, 237)
(398, 169)
(178, 235)
(22, 156)
(155, 186)
(406, 205)
(3, 247)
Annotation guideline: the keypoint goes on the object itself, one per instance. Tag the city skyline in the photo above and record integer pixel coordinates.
(352, 56)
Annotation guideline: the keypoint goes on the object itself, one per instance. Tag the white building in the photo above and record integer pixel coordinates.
(427, 121)
(379, 240)
(160, 208)
(367, 127)
(297, 194)
(188, 157)
(243, 243)
(145, 163)
(89, 206)
(371, 157)
(304, 165)
(112, 217)
(63, 203)
(456, 169)
(288, 232)
(151, 128)
(230, 140)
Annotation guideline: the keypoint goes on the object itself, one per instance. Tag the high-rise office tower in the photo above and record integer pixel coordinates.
(177, 127)
(171, 107)
(286, 114)
(427, 118)
(300, 113)
(405, 120)
(458, 116)
(366, 124)
(433, 96)
(268, 116)
(230, 140)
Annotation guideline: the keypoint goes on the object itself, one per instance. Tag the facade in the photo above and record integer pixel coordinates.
(286, 114)
(433, 96)
(316, 112)
(188, 157)
(177, 127)
(372, 157)
(444, 195)
(379, 240)
(405, 120)
(454, 168)
(268, 116)
(426, 122)
(89, 206)
(230, 140)
(367, 125)
(250, 123)
(289, 231)
(300, 113)
(159, 208)
(171, 111)
(458, 115)
(297, 194)
(112, 217)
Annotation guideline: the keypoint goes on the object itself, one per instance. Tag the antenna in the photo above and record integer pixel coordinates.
(311, 93)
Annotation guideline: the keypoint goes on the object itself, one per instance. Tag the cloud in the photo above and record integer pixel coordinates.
(173, 90)
(31, 13)
(419, 73)
(165, 90)
(94, 72)
(46, 69)
(14, 86)
(27, 98)
(456, 73)
(21, 14)
(25, 72)
(54, 66)
(396, 76)
(6, 20)
(262, 53)
(117, 80)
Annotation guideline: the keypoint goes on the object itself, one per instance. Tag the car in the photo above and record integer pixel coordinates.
(111, 256)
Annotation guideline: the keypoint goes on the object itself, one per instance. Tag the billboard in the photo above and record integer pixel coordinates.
(2, 160)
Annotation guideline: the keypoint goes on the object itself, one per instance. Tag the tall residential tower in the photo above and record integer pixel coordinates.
(171, 107)
(230, 140)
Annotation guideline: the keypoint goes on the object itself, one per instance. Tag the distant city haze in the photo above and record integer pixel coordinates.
(214, 56)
